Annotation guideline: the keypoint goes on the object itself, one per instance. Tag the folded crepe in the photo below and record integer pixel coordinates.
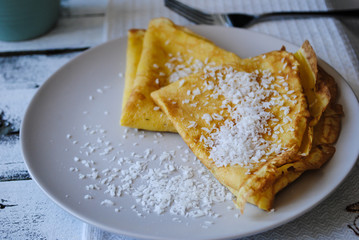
(133, 55)
(324, 126)
(168, 53)
(257, 124)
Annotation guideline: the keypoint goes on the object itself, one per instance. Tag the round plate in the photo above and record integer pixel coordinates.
(81, 105)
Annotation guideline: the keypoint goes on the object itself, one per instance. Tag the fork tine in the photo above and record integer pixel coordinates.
(188, 17)
(185, 15)
(190, 13)
(189, 9)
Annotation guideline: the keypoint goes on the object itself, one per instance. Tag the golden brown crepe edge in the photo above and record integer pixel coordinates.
(133, 54)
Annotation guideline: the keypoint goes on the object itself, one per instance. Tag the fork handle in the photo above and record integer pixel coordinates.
(236, 18)
(329, 13)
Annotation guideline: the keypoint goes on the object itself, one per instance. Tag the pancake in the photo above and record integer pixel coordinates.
(133, 54)
(308, 140)
(307, 136)
(316, 90)
(243, 121)
(317, 93)
(326, 133)
(321, 132)
(169, 52)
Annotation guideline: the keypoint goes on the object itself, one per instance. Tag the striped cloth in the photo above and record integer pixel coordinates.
(326, 35)
(329, 220)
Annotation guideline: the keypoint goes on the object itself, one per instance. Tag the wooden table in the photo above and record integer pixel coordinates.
(26, 212)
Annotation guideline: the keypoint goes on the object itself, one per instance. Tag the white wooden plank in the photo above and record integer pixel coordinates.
(20, 78)
(27, 72)
(34, 215)
(12, 166)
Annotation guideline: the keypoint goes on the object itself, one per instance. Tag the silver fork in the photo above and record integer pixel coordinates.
(246, 20)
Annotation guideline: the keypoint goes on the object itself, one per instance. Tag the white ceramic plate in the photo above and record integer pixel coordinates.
(82, 101)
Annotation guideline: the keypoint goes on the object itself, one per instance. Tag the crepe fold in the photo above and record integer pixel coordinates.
(305, 128)
(177, 81)
(168, 53)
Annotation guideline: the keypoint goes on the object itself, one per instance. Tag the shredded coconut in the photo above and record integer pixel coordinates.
(181, 83)
(180, 69)
(206, 117)
(247, 97)
(167, 187)
(107, 203)
(88, 197)
(192, 124)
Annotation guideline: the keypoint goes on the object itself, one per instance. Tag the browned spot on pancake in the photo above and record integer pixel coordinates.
(134, 31)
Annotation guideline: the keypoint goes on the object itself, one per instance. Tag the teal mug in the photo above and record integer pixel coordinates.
(26, 19)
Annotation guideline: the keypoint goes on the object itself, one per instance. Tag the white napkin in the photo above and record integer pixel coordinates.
(329, 219)
(329, 41)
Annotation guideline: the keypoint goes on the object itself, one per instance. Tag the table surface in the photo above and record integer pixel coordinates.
(25, 211)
